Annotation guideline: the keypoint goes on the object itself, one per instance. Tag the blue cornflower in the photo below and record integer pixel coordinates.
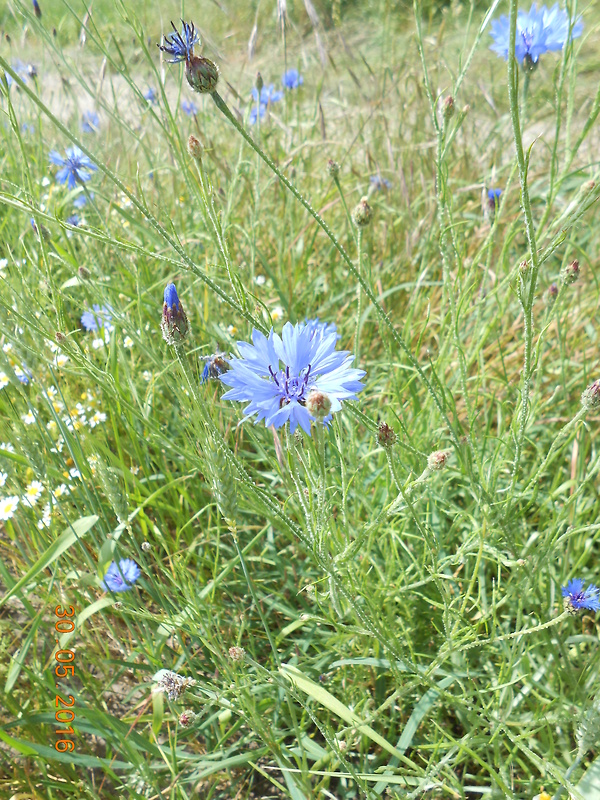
(90, 122)
(538, 32)
(189, 108)
(377, 182)
(180, 46)
(577, 597)
(82, 199)
(319, 329)
(121, 577)
(73, 220)
(259, 110)
(24, 71)
(75, 166)
(215, 365)
(100, 317)
(268, 94)
(277, 374)
(26, 127)
(292, 79)
(151, 96)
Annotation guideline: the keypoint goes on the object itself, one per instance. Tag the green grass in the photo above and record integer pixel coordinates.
(375, 599)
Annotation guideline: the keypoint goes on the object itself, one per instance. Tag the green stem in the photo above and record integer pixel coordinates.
(224, 109)
(551, 623)
(358, 296)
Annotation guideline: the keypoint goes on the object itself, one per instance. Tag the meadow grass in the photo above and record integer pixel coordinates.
(365, 611)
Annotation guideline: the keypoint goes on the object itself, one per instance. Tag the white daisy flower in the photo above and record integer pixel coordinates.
(260, 280)
(46, 519)
(7, 447)
(147, 375)
(32, 493)
(7, 347)
(8, 506)
(60, 360)
(3, 477)
(28, 418)
(97, 343)
(232, 330)
(60, 491)
(4, 381)
(52, 391)
(97, 418)
(3, 263)
(74, 473)
(45, 181)
(277, 313)
(128, 341)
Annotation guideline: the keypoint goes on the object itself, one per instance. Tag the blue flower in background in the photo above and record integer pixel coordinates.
(90, 122)
(121, 577)
(37, 9)
(378, 183)
(268, 94)
(538, 32)
(292, 79)
(151, 96)
(24, 71)
(180, 46)
(256, 111)
(319, 329)
(75, 166)
(82, 199)
(577, 597)
(494, 195)
(215, 366)
(26, 127)
(100, 317)
(189, 108)
(276, 374)
(74, 220)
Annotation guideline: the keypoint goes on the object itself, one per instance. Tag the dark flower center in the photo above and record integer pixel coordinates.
(291, 387)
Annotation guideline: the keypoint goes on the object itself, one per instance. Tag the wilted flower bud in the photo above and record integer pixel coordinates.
(591, 396)
(194, 147)
(551, 294)
(146, 546)
(570, 274)
(386, 435)
(333, 168)
(438, 460)
(202, 74)
(362, 213)
(236, 653)
(174, 323)
(259, 83)
(448, 108)
(187, 718)
(84, 273)
(118, 605)
(172, 683)
(318, 404)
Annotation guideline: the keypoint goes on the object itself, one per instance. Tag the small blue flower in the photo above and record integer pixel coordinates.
(82, 199)
(292, 79)
(276, 375)
(90, 122)
(577, 597)
(73, 220)
(151, 96)
(268, 94)
(180, 46)
(171, 297)
(538, 32)
(121, 577)
(24, 71)
(378, 183)
(76, 167)
(319, 329)
(189, 108)
(26, 127)
(215, 366)
(259, 110)
(494, 195)
(100, 317)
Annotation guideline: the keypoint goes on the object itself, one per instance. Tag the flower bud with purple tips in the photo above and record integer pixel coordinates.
(174, 323)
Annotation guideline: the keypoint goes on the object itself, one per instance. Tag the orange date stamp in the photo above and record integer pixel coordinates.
(64, 714)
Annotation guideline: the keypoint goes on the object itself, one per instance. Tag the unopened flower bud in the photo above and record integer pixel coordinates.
(551, 294)
(591, 396)
(318, 404)
(448, 108)
(194, 147)
(118, 605)
(386, 435)
(259, 83)
(333, 168)
(59, 337)
(438, 460)
(186, 718)
(362, 213)
(529, 65)
(84, 273)
(570, 274)
(524, 267)
(236, 653)
(146, 546)
(202, 74)
(174, 323)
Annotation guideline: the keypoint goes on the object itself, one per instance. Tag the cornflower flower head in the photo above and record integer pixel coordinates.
(202, 74)
(172, 683)
(576, 597)
(99, 317)
(90, 122)
(538, 32)
(292, 79)
(268, 94)
(257, 111)
(150, 96)
(378, 183)
(214, 366)
(73, 220)
(189, 108)
(81, 200)
(76, 167)
(320, 329)
(174, 324)
(121, 577)
(276, 374)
